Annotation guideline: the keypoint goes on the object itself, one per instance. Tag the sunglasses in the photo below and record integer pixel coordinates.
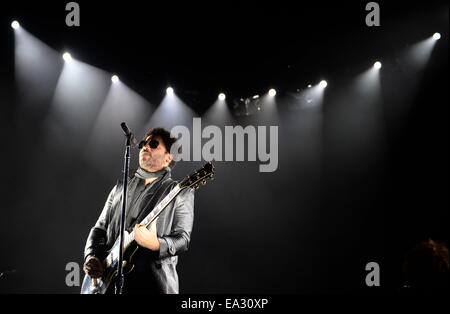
(152, 143)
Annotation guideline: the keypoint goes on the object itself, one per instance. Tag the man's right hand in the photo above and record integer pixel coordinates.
(93, 267)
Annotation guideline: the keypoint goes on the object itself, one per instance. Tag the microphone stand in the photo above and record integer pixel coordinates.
(126, 170)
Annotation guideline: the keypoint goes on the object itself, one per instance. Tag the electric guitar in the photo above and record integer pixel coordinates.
(104, 284)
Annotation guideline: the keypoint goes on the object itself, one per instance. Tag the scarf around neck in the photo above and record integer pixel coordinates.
(143, 174)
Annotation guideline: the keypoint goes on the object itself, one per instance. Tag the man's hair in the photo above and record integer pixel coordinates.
(166, 137)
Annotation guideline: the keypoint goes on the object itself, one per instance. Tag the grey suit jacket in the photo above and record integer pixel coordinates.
(154, 271)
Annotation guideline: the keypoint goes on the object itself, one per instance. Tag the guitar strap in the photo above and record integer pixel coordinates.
(161, 191)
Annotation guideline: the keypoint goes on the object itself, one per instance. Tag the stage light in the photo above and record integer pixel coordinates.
(436, 36)
(309, 86)
(221, 96)
(15, 25)
(272, 92)
(169, 91)
(114, 78)
(377, 65)
(323, 84)
(255, 97)
(67, 57)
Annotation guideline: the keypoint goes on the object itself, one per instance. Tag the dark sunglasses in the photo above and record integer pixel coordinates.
(152, 143)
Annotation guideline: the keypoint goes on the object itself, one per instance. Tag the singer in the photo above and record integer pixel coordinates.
(154, 264)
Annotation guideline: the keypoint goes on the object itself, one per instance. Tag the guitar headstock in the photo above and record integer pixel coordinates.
(199, 177)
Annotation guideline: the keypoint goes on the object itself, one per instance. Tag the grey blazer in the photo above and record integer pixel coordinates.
(154, 271)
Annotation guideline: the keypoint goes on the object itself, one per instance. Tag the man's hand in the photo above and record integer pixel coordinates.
(147, 237)
(93, 267)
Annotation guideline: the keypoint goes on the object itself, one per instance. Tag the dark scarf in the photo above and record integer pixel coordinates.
(143, 174)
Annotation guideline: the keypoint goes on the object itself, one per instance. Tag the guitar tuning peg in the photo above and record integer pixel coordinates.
(204, 182)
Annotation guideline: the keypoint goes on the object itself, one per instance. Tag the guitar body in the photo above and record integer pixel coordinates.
(107, 283)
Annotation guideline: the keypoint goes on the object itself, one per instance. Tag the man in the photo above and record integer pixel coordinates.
(155, 262)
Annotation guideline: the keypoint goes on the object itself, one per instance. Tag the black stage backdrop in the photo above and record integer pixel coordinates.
(362, 173)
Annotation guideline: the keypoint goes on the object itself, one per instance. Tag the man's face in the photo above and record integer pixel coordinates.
(154, 159)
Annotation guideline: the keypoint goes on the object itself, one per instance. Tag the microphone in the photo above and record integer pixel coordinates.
(129, 134)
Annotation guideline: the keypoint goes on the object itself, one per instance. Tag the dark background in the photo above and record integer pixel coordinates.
(354, 184)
